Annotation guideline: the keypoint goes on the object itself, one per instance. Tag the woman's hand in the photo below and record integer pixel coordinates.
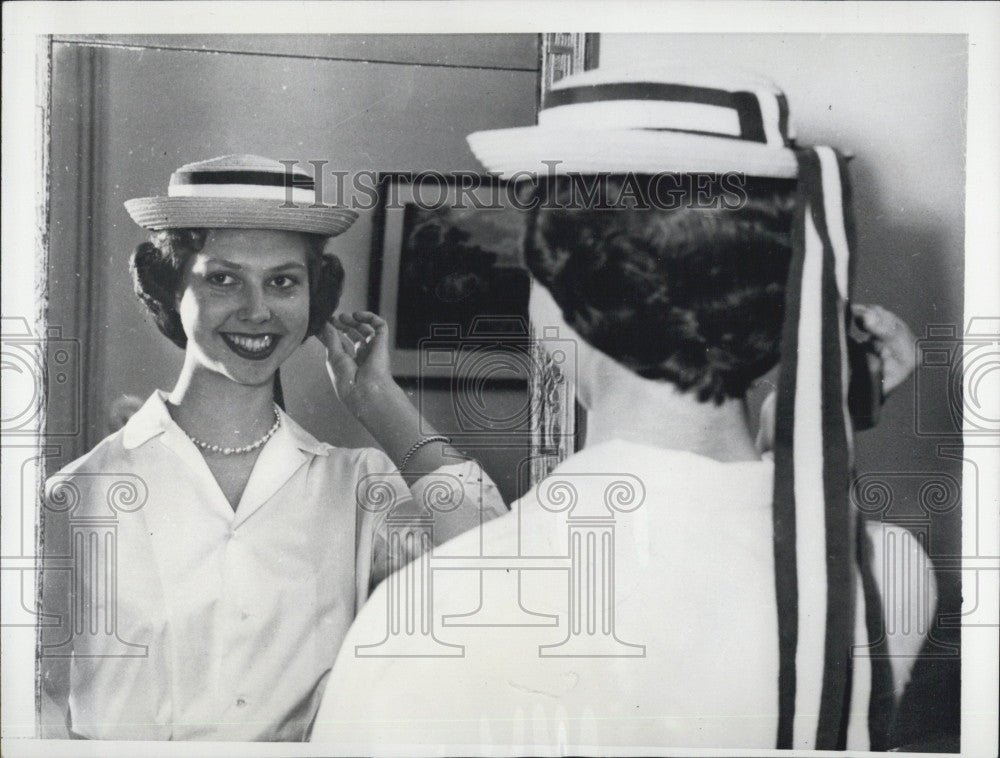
(893, 341)
(357, 355)
(357, 359)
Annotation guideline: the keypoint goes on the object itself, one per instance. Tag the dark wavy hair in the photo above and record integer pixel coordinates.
(157, 267)
(690, 294)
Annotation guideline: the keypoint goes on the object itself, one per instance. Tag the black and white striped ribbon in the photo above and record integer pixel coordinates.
(757, 115)
(244, 184)
(816, 532)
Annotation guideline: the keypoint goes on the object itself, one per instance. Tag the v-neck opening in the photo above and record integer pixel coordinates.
(278, 461)
(280, 457)
(188, 452)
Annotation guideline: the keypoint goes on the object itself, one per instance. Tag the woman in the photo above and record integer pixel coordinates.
(671, 527)
(239, 573)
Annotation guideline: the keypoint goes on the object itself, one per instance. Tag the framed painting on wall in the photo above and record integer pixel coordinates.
(447, 274)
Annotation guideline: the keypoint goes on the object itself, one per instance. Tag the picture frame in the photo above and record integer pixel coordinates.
(447, 274)
(565, 53)
(558, 420)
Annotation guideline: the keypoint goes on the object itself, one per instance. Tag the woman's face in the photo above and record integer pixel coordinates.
(244, 302)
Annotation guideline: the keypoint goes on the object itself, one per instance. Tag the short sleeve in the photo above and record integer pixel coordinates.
(406, 521)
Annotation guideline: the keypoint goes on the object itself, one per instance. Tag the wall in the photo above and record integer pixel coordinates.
(145, 105)
(897, 103)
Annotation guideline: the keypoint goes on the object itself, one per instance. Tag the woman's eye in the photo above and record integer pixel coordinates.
(221, 279)
(284, 282)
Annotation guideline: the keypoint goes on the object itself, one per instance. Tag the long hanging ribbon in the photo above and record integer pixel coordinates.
(814, 526)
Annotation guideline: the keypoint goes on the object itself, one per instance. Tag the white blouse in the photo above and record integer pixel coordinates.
(662, 636)
(210, 623)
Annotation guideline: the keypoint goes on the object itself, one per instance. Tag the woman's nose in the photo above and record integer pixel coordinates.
(255, 307)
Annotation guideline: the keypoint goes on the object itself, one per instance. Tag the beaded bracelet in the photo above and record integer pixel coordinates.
(419, 444)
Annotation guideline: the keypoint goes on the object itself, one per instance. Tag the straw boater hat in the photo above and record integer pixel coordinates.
(651, 121)
(240, 192)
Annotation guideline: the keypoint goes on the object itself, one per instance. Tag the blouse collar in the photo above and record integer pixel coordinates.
(153, 419)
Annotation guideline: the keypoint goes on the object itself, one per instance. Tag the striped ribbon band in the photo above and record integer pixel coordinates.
(762, 115)
(248, 184)
(815, 529)
(259, 178)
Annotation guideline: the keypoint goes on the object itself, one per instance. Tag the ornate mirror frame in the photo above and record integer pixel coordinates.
(558, 422)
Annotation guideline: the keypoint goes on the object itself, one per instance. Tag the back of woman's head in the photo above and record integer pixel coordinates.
(690, 291)
(157, 268)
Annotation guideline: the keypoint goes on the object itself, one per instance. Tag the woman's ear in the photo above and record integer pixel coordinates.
(179, 282)
(175, 299)
(324, 295)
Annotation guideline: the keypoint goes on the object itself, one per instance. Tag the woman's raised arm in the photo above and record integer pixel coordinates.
(358, 363)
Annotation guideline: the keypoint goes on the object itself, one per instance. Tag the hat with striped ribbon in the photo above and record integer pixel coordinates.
(669, 121)
(241, 192)
(649, 121)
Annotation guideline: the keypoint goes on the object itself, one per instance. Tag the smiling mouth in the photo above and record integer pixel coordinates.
(254, 347)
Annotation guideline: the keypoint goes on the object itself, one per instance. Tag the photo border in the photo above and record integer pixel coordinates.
(21, 294)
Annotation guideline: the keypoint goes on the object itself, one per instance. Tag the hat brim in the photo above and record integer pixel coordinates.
(541, 150)
(156, 213)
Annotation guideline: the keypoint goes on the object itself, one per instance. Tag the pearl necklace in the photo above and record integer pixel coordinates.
(239, 450)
